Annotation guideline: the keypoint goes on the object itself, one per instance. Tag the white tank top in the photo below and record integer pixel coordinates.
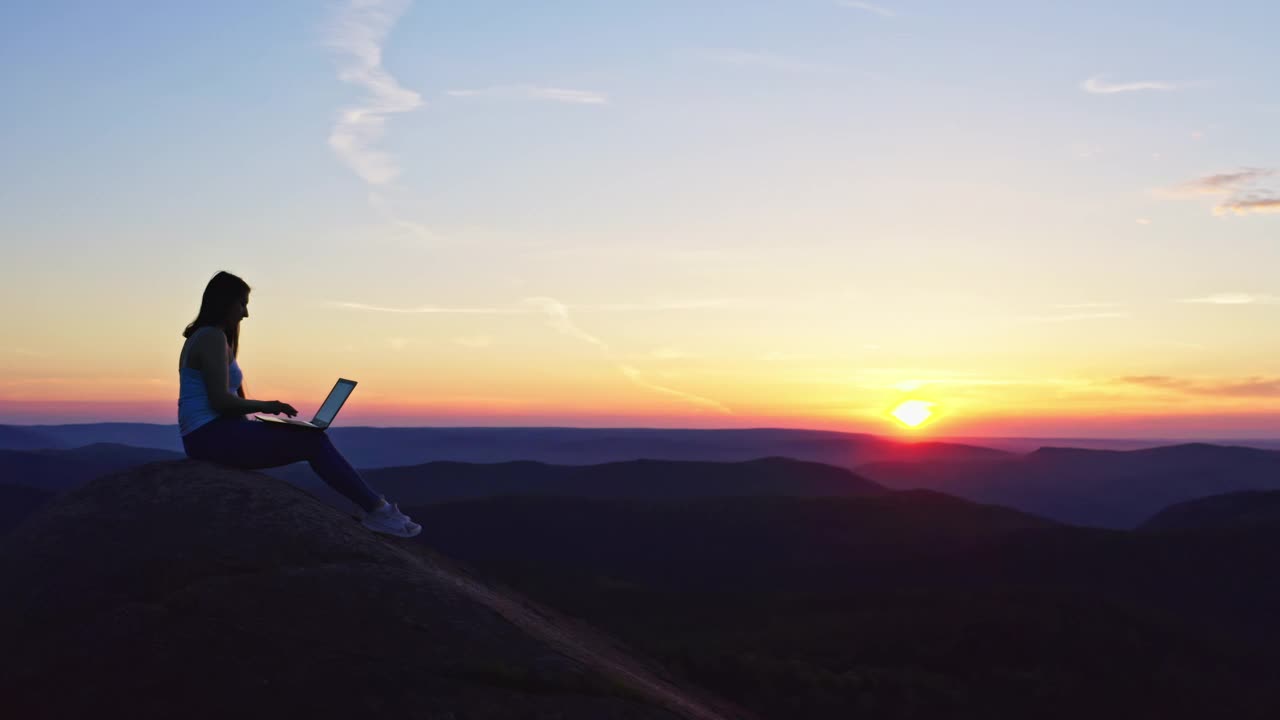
(194, 409)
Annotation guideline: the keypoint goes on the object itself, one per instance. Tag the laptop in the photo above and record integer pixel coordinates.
(327, 412)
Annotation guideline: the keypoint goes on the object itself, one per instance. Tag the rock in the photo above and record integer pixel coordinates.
(187, 589)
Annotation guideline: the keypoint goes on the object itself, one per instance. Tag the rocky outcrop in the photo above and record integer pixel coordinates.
(185, 589)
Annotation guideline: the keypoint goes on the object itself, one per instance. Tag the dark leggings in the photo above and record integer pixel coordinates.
(252, 445)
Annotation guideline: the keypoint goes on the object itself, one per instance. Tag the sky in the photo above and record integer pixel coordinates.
(1037, 219)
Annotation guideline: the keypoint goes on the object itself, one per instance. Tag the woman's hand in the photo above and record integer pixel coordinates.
(275, 407)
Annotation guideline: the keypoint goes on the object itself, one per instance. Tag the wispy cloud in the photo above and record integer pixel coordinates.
(357, 35)
(1256, 203)
(414, 233)
(867, 7)
(1235, 299)
(535, 92)
(1098, 86)
(761, 60)
(1219, 183)
(557, 316)
(635, 377)
(1250, 387)
(1247, 191)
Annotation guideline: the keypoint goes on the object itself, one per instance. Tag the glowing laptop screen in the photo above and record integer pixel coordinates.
(337, 396)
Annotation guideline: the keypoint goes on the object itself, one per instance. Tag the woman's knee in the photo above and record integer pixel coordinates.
(315, 442)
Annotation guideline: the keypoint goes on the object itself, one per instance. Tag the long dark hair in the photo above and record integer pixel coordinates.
(222, 293)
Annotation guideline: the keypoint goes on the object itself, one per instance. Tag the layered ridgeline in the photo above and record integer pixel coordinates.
(1103, 488)
(57, 470)
(182, 589)
(1255, 511)
(630, 480)
(368, 447)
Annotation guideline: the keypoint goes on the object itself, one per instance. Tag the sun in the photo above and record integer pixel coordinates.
(913, 413)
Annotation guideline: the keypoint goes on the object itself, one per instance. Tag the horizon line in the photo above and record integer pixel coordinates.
(904, 437)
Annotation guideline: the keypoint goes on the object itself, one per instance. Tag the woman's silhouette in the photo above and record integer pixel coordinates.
(212, 406)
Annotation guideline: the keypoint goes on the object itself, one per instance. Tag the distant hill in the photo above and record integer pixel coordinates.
(368, 447)
(376, 447)
(59, 470)
(15, 437)
(634, 479)
(1240, 511)
(39, 437)
(242, 592)
(1092, 487)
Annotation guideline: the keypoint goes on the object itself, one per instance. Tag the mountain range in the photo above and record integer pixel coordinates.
(790, 587)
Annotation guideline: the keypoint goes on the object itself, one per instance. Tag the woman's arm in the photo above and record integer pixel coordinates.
(212, 350)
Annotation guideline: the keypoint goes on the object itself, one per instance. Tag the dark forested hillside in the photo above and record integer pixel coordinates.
(904, 605)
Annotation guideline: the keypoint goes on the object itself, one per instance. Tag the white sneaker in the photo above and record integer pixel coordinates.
(388, 520)
(412, 527)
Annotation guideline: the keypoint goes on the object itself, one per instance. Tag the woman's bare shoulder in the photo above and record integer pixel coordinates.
(206, 344)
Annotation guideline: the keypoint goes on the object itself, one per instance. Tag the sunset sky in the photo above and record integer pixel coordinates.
(1045, 219)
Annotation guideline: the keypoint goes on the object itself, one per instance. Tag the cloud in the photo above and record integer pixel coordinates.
(1235, 299)
(1260, 204)
(417, 234)
(357, 35)
(1251, 387)
(1246, 191)
(557, 315)
(1098, 86)
(1219, 183)
(762, 60)
(634, 375)
(535, 92)
(867, 7)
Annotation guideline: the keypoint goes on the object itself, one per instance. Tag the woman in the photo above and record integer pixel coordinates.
(212, 407)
